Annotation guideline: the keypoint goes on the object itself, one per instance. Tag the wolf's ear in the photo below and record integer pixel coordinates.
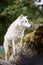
(20, 16)
(26, 16)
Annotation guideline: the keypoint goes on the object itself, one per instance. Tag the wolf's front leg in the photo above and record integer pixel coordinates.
(13, 44)
(13, 54)
(22, 38)
(6, 58)
(6, 53)
(6, 50)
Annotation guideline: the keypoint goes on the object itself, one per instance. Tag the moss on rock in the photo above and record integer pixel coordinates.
(35, 38)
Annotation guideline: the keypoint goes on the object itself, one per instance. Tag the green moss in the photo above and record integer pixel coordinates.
(35, 38)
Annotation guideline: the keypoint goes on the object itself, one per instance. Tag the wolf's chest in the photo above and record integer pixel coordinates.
(19, 30)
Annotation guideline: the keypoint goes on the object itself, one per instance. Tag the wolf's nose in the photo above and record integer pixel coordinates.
(31, 26)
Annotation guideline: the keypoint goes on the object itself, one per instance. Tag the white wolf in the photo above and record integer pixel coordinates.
(15, 34)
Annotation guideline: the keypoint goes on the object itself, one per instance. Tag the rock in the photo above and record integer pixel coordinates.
(2, 62)
(35, 39)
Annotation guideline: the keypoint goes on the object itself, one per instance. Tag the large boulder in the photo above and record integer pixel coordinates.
(35, 38)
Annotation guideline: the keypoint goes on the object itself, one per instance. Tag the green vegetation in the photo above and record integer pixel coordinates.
(10, 10)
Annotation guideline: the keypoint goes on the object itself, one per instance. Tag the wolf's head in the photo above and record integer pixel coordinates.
(23, 21)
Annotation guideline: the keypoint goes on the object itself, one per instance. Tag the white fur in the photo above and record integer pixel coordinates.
(15, 31)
